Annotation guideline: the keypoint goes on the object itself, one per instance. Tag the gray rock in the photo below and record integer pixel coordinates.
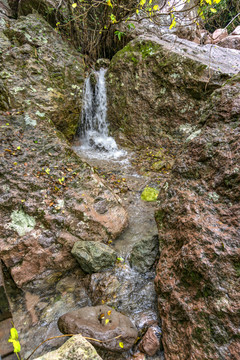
(144, 253)
(93, 256)
(102, 63)
(231, 42)
(102, 323)
(74, 349)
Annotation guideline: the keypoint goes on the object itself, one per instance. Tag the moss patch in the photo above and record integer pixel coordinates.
(149, 194)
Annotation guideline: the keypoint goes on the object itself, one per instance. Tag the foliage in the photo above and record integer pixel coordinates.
(226, 10)
(93, 23)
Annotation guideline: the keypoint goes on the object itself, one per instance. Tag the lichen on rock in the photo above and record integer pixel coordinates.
(21, 222)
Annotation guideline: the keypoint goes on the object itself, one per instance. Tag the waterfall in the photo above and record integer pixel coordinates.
(93, 130)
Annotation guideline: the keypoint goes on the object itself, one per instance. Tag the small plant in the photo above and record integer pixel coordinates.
(119, 34)
(14, 340)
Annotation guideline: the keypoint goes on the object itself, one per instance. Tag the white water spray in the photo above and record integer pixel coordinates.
(94, 127)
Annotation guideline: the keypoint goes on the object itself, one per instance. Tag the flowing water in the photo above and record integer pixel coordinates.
(125, 288)
(93, 138)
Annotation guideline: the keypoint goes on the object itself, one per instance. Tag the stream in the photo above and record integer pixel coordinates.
(129, 286)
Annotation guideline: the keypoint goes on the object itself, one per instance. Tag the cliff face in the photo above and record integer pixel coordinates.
(178, 96)
(198, 221)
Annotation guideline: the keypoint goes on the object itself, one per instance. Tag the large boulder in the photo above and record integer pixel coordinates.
(75, 348)
(155, 86)
(93, 256)
(105, 327)
(198, 221)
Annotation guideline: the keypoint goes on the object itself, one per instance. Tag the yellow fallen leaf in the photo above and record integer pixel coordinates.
(106, 321)
(74, 5)
(121, 345)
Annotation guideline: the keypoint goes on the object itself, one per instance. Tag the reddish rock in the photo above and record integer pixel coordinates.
(231, 42)
(101, 323)
(6, 347)
(150, 343)
(198, 272)
(236, 31)
(219, 35)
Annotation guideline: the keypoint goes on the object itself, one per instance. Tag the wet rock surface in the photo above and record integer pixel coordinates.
(75, 348)
(102, 323)
(93, 256)
(144, 253)
(198, 221)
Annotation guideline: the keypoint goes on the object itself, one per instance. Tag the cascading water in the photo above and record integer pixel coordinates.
(93, 130)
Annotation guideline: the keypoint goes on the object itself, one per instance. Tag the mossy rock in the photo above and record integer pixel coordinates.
(149, 194)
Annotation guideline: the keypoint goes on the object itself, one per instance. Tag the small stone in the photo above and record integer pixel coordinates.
(150, 343)
(73, 349)
(93, 256)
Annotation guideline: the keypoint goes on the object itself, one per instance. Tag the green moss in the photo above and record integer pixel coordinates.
(134, 60)
(149, 194)
(148, 48)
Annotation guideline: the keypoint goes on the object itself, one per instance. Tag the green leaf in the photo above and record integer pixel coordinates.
(131, 26)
